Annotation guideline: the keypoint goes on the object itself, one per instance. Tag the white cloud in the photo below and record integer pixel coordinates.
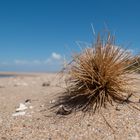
(21, 62)
(27, 62)
(52, 63)
(56, 56)
(36, 62)
(47, 61)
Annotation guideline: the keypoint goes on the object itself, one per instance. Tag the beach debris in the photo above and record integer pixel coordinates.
(24, 84)
(52, 101)
(41, 105)
(18, 114)
(21, 110)
(118, 108)
(28, 101)
(46, 84)
(62, 110)
(20, 84)
(31, 107)
(21, 107)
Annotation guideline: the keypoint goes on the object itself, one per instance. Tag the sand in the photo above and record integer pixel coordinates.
(38, 122)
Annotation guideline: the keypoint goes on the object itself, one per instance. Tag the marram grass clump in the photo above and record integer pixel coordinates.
(98, 75)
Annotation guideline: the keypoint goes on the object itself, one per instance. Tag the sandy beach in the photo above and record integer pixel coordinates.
(38, 92)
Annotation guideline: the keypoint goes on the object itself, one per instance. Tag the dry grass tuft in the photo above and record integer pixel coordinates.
(98, 76)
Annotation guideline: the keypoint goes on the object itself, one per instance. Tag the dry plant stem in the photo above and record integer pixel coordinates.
(98, 76)
(107, 123)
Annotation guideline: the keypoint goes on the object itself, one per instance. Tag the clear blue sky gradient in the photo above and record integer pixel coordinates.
(33, 29)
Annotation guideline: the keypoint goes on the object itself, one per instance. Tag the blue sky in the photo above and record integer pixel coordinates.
(35, 35)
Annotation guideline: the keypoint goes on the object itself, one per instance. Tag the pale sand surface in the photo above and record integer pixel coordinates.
(39, 123)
